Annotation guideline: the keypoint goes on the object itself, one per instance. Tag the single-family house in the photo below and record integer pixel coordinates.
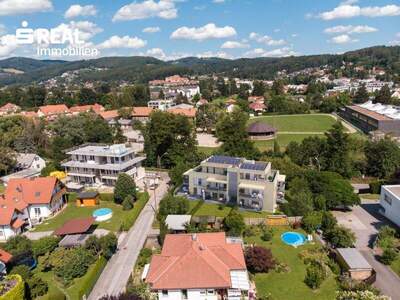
(141, 114)
(257, 107)
(28, 165)
(9, 109)
(97, 108)
(51, 112)
(177, 223)
(27, 201)
(198, 266)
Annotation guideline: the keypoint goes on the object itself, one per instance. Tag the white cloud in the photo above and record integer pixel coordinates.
(151, 29)
(77, 10)
(349, 2)
(157, 53)
(86, 29)
(15, 7)
(345, 11)
(122, 42)
(234, 45)
(218, 1)
(349, 29)
(219, 54)
(8, 44)
(267, 40)
(294, 35)
(209, 31)
(398, 34)
(280, 52)
(164, 9)
(342, 39)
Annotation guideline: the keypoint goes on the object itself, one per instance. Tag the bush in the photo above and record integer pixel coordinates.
(234, 223)
(55, 294)
(17, 292)
(144, 257)
(91, 277)
(93, 244)
(386, 232)
(267, 235)
(375, 187)
(44, 245)
(388, 256)
(312, 221)
(259, 259)
(124, 186)
(23, 271)
(340, 237)
(109, 197)
(108, 244)
(127, 204)
(328, 221)
(359, 295)
(19, 246)
(128, 222)
(37, 287)
(314, 276)
(251, 230)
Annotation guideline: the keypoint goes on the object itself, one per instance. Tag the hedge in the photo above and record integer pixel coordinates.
(130, 219)
(91, 277)
(17, 292)
(107, 197)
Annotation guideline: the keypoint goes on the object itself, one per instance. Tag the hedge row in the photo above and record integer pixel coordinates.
(91, 277)
(135, 211)
(17, 292)
(107, 197)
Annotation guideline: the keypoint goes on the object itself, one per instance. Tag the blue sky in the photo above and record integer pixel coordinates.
(169, 29)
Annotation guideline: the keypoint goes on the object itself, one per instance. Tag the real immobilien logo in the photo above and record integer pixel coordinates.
(54, 42)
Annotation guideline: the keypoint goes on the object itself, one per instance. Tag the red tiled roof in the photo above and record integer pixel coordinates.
(109, 114)
(257, 106)
(5, 257)
(188, 112)
(75, 226)
(142, 111)
(7, 209)
(202, 262)
(85, 108)
(54, 109)
(9, 107)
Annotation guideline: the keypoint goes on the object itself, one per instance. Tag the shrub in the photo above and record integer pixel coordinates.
(359, 295)
(91, 277)
(340, 237)
(127, 204)
(55, 294)
(328, 221)
(251, 230)
(108, 244)
(259, 259)
(375, 186)
(124, 186)
(267, 235)
(312, 221)
(314, 276)
(37, 287)
(172, 205)
(23, 271)
(93, 244)
(144, 257)
(19, 246)
(234, 223)
(44, 245)
(17, 292)
(386, 232)
(107, 197)
(124, 296)
(388, 256)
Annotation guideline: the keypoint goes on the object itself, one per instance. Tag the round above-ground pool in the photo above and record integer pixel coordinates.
(102, 214)
(293, 238)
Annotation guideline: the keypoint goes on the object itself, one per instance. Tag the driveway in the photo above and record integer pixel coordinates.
(115, 275)
(365, 222)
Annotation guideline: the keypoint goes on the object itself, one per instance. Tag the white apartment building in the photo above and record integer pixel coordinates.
(94, 164)
(390, 202)
(235, 180)
(160, 104)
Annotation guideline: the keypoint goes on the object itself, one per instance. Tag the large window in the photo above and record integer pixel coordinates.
(387, 199)
(37, 211)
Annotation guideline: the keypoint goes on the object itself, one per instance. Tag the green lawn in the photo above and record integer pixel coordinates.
(283, 140)
(114, 224)
(298, 123)
(207, 150)
(289, 286)
(210, 209)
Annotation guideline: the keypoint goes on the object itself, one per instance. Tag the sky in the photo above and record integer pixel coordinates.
(171, 29)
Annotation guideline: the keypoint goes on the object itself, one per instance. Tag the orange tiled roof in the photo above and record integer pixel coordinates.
(85, 108)
(5, 257)
(188, 112)
(109, 114)
(142, 111)
(201, 262)
(9, 107)
(56, 109)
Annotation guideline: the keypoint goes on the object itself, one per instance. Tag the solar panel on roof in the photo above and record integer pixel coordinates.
(220, 159)
(253, 166)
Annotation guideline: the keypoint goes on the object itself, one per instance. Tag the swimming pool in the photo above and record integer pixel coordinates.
(293, 238)
(102, 214)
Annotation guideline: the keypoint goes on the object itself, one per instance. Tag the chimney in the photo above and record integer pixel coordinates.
(194, 237)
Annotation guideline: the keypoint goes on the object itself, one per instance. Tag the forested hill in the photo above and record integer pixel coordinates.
(142, 69)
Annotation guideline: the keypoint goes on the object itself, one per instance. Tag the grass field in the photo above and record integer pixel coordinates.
(289, 286)
(317, 123)
(114, 224)
(283, 140)
(210, 209)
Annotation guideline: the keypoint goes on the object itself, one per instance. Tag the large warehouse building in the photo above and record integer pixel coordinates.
(374, 117)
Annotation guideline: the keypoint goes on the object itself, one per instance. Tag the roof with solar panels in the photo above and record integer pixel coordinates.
(238, 162)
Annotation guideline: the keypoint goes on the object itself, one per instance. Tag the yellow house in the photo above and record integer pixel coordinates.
(88, 199)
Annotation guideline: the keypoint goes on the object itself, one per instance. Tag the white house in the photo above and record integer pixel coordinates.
(28, 165)
(27, 201)
(390, 202)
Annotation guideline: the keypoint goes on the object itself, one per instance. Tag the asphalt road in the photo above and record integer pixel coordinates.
(115, 275)
(365, 222)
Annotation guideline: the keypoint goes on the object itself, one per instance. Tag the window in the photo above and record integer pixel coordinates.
(210, 292)
(199, 181)
(164, 292)
(184, 294)
(37, 211)
(203, 292)
(387, 199)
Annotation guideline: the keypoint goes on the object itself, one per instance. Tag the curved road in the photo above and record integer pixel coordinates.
(115, 275)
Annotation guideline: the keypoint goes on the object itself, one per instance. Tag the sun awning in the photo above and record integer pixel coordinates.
(245, 185)
(212, 179)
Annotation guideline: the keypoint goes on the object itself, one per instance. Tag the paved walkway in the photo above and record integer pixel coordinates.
(365, 222)
(116, 274)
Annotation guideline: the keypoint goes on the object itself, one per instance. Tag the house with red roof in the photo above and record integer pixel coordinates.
(9, 109)
(51, 112)
(27, 201)
(97, 108)
(198, 266)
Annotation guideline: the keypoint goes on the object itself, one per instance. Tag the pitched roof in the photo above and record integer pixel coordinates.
(257, 106)
(25, 160)
(75, 226)
(5, 257)
(260, 127)
(85, 108)
(187, 112)
(9, 107)
(202, 260)
(142, 111)
(8, 208)
(37, 190)
(109, 114)
(56, 109)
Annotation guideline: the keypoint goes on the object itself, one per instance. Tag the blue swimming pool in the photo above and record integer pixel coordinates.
(293, 238)
(102, 214)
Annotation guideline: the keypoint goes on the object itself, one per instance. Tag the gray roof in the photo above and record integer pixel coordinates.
(260, 127)
(25, 160)
(26, 173)
(177, 222)
(115, 167)
(353, 258)
(101, 150)
(73, 240)
(88, 195)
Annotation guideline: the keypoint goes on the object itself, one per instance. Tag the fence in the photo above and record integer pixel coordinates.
(273, 220)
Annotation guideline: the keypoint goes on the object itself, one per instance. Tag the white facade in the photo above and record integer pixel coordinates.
(194, 294)
(162, 105)
(390, 202)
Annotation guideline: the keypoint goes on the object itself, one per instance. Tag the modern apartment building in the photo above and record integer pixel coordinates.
(235, 180)
(94, 164)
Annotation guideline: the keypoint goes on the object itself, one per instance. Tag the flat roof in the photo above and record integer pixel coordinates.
(73, 240)
(75, 226)
(102, 150)
(369, 113)
(353, 258)
(394, 189)
(177, 222)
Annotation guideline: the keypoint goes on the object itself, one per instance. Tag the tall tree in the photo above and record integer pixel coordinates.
(258, 88)
(231, 130)
(278, 87)
(361, 95)
(383, 157)
(384, 95)
(125, 186)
